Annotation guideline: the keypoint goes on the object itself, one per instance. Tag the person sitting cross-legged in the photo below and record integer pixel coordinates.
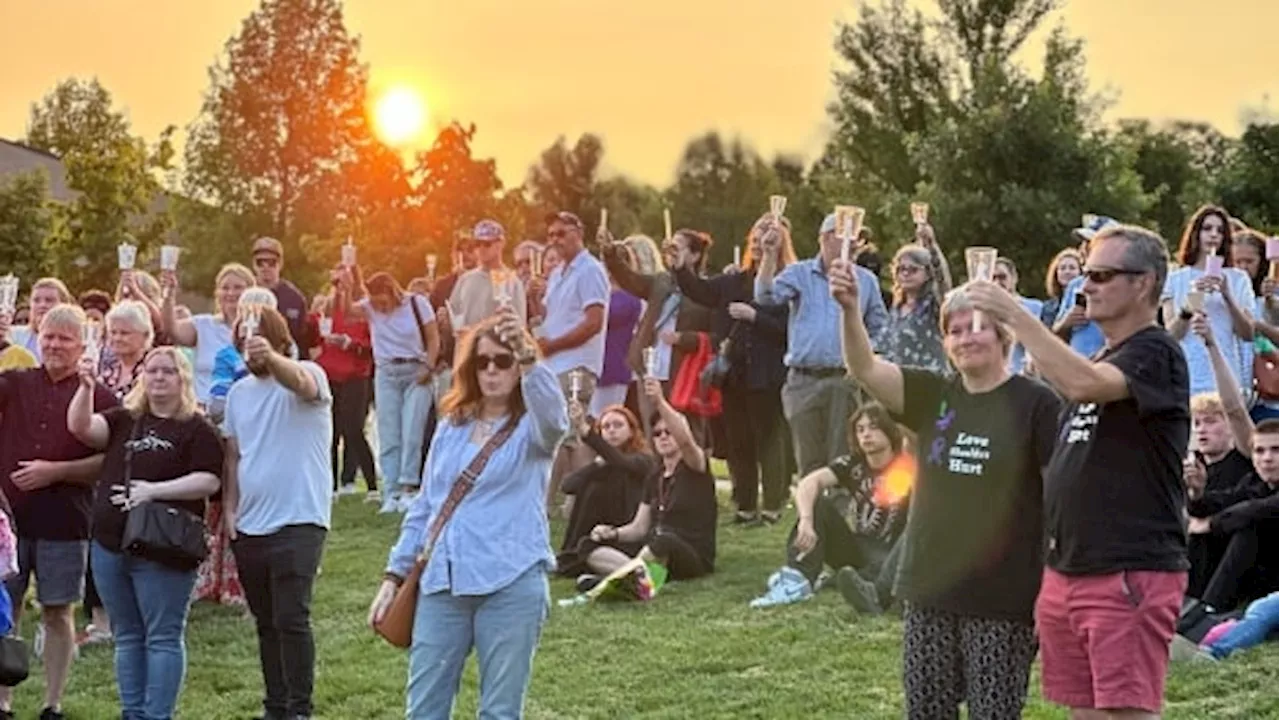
(847, 520)
(675, 526)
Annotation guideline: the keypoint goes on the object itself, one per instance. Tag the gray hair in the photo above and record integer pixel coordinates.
(645, 250)
(135, 314)
(64, 315)
(921, 256)
(1144, 251)
(957, 300)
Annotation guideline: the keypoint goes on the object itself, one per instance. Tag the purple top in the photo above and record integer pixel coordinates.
(624, 313)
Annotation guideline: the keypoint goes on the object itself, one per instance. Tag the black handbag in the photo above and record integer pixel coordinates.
(717, 371)
(160, 532)
(15, 661)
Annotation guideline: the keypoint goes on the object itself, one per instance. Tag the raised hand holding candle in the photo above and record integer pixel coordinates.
(666, 222)
(126, 254)
(91, 334)
(650, 362)
(169, 257)
(777, 206)
(602, 232)
(981, 263)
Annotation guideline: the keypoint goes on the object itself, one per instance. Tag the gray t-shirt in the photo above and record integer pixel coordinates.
(284, 473)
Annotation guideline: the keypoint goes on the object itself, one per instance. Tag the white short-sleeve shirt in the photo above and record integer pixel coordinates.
(212, 335)
(395, 334)
(572, 288)
(284, 473)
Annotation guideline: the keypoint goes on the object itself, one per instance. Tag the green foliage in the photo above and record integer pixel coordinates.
(26, 220)
(113, 175)
(1248, 184)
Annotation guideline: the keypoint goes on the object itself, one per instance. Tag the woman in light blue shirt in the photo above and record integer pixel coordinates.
(485, 585)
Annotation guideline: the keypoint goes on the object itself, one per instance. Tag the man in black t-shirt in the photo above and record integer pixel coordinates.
(1114, 501)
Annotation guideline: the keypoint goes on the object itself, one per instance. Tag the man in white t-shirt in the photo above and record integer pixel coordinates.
(571, 338)
(277, 495)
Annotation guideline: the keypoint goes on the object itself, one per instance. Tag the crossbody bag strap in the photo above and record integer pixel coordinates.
(463, 485)
(417, 317)
(134, 428)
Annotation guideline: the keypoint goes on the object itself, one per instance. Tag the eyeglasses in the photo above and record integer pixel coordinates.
(1102, 276)
(907, 269)
(266, 262)
(557, 234)
(502, 361)
(999, 277)
(661, 432)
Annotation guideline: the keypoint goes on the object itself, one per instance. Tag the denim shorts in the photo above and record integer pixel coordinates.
(59, 567)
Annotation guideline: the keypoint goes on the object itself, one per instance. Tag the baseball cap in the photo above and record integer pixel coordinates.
(1091, 225)
(565, 217)
(268, 245)
(828, 224)
(488, 231)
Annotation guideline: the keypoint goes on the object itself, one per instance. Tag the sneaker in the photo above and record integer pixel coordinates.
(587, 582)
(347, 489)
(770, 517)
(390, 505)
(406, 502)
(6, 715)
(372, 497)
(51, 714)
(746, 518)
(786, 586)
(1183, 649)
(859, 592)
(94, 635)
(37, 644)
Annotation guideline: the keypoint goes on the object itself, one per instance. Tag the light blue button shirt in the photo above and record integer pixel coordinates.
(1086, 339)
(1018, 358)
(500, 529)
(813, 325)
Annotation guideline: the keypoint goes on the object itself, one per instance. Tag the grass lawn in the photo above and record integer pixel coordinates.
(695, 652)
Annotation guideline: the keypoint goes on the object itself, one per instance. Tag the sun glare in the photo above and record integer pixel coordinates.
(399, 115)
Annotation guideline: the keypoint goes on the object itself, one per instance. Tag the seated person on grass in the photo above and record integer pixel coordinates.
(850, 516)
(675, 526)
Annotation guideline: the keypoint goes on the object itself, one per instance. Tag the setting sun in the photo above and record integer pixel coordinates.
(399, 115)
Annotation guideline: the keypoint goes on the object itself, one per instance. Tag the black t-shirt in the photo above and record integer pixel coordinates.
(1113, 494)
(1226, 473)
(163, 449)
(973, 543)
(685, 504)
(855, 499)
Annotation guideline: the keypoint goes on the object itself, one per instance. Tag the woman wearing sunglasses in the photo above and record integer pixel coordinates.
(972, 550)
(485, 586)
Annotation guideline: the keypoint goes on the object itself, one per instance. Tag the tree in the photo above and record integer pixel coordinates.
(634, 208)
(284, 115)
(1176, 163)
(112, 174)
(1247, 183)
(565, 178)
(26, 222)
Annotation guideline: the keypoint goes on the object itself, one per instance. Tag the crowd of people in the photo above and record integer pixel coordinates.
(1090, 476)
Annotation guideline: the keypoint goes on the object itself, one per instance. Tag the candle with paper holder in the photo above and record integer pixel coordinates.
(777, 206)
(1213, 265)
(91, 335)
(126, 256)
(650, 362)
(575, 385)
(1273, 254)
(9, 286)
(920, 213)
(432, 261)
(349, 253)
(981, 266)
(666, 223)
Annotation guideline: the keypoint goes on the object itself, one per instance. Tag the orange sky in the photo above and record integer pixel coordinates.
(646, 75)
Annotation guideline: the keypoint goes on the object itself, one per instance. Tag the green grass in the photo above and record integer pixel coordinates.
(697, 651)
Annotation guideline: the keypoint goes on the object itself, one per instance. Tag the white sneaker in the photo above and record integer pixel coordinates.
(389, 505)
(406, 502)
(347, 489)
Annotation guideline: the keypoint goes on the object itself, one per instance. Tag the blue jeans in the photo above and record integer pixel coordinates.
(402, 406)
(147, 604)
(1260, 621)
(503, 628)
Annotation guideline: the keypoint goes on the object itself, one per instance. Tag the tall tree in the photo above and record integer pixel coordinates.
(283, 116)
(565, 178)
(1176, 163)
(113, 174)
(1248, 183)
(26, 222)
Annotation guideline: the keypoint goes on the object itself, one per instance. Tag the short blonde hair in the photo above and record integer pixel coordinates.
(957, 300)
(66, 315)
(136, 401)
(1209, 403)
(64, 295)
(645, 251)
(134, 312)
(237, 270)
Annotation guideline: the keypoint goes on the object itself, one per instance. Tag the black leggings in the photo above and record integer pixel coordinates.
(679, 557)
(757, 447)
(949, 659)
(350, 410)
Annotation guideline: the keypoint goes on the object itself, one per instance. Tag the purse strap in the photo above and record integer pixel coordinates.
(417, 317)
(134, 432)
(462, 486)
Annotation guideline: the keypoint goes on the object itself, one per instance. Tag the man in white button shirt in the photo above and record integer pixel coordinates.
(572, 334)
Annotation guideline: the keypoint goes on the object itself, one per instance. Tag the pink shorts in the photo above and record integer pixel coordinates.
(1104, 639)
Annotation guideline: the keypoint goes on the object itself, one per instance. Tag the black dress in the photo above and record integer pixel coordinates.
(606, 492)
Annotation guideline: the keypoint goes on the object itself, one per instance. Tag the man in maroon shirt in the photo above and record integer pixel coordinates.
(47, 477)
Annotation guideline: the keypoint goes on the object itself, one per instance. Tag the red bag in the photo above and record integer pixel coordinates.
(687, 394)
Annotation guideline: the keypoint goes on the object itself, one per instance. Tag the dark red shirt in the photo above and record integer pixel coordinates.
(33, 426)
(353, 363)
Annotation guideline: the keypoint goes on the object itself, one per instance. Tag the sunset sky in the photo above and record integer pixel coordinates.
(645, 75)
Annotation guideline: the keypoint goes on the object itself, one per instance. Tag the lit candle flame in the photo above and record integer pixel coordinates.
(896, 481)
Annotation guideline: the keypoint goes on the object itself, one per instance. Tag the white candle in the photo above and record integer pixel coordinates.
(777, 206)
(575, 384)
(650, 362)
(737, 256)
(666, 222)
(349, 254)
(126, 254)
(431, 266)
(604, 221)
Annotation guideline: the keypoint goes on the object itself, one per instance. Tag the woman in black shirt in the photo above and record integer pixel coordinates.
(158, 449)
(608, 490)
(972, 553)
(676, 523)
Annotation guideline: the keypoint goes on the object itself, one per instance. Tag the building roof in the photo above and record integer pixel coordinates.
(18, 159)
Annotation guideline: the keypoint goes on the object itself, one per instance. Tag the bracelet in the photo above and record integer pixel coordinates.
(394, 578)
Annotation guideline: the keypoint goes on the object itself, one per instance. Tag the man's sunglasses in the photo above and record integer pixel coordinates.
(265, 262)
(502, 361)
(1102, 276)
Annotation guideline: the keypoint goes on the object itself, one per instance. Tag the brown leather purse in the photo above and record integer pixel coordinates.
(396, 626)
